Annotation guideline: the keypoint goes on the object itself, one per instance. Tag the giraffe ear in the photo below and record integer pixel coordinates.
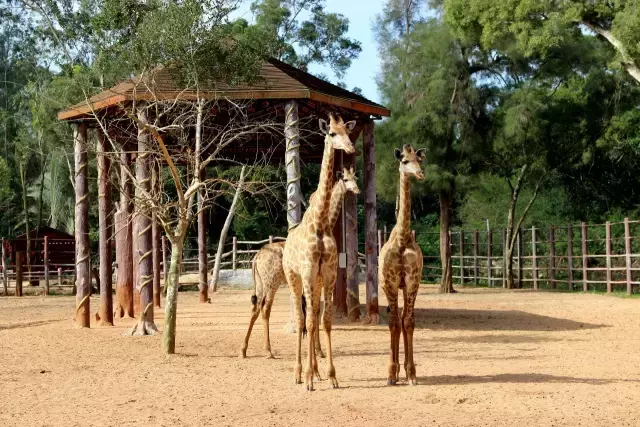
(350, 125)
(324, 127)
(421, 153)
(398, 154)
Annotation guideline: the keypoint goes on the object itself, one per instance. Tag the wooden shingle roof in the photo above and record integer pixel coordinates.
(278, 81)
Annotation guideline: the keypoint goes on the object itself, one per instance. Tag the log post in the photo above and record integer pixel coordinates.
(461, 257)
(5, 276)
(270, 240)
(234, 254)
(350, 215)
(552, 256)
(143, 235)
(83, 259)
(570, 255)
(19, 274)
(46, 265)
(627, 255)
(520, 254)
(60, 276)
(371, 222)
(386, 234)
(105, 310)
(475, 257)
(124, 242)
(164, 260)
(585, 263)
(608, 252)
(157, 261)
(380, 242)
(489, 255)
(202, 243)
(504, 258)
(534, 258)
(340, 290)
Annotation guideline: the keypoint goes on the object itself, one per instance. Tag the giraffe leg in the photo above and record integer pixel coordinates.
(266, 313)
(404, 331)
(328, 284)
(296, 289)
(255, 311)
(409, 325)
(308, 283)
(394, 330)
(317, 337)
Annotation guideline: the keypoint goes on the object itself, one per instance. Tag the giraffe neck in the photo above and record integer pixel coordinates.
(403, 223)
(326, 181)
(337, 194)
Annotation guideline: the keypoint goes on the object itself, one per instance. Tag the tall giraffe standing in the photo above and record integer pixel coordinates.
(268, 273)
(401, 268)
(310, 256)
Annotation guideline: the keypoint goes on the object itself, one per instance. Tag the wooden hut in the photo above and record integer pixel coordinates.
(297, 99)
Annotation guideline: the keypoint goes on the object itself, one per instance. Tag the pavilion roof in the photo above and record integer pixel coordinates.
(278, 81)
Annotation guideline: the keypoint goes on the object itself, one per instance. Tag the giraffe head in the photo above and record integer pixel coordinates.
(337, 133)
(348, 178)
(410, 161)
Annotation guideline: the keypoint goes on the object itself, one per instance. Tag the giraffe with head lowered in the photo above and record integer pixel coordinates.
(310, 257)
(268, 273)
(400, 267)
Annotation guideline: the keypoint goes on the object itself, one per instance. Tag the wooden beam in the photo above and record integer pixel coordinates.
(124, 242)
(350, 210)
(105, 310)
(83, 259)
(340, 290)
(371, 222)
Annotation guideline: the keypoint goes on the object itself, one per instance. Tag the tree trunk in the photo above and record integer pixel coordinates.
(171, 302)
(105, 311)
(371, 222)
(350, 214)
(223, 234)
(25, 210)
(157, 247)
(83, 259)
(446, 282)
(124, 250)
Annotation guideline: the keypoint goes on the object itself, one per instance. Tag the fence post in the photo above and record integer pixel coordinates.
(520, 251)
(235, 253)
(608, 252)
(60, 276)
(413, 234)
(461, 257)
(504, 258)
(585, 264)
(534, 258)
(386, 234)
(270, 239)
(46, 265)
(489, 253)
(380, 242)
(475, 257)
(19, 274)
(570, 254)
(5, 277)
(627, 253)
(552, 256)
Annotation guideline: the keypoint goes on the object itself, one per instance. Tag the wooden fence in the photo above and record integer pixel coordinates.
(574, 256)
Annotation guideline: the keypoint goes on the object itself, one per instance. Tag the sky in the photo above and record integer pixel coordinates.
(361, 14)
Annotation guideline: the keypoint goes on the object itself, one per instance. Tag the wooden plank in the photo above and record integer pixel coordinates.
(380, 241)
(627, 253)
(585, 263)
(370, 221)
(475, 257)
(570, 255)
(608, 255)
(552, 257)
(340, 289)
(520, 254)
(534, 258)
(489, 260)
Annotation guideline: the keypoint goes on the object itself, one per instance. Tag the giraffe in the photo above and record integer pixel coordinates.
(268, 273)
(310, 255)
(401, 268)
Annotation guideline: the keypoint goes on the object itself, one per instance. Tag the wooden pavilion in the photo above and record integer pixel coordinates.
(296, 99)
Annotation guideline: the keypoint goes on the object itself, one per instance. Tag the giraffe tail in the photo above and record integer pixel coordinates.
(304, 316)
(256, 277)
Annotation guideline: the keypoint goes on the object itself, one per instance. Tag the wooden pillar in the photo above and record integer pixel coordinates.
(5, 276)
(105, 311)
(202, 243)
(475, 257)
(144, 234)
(19, 274)
(234, 254)
(534, 258)
(520, 253)
(489, 255)
(340, 289)
(46, 265)
(585, 263)
(350, 216)
(380, 241)
(552, 256)
(124, 241)
(386, 234)
(59, 276)
(504, 258)
(371, 221)
(83, 268)
(570, 255)
(462, 257)
(270, 239)
(165, 266)
(627, 255)
(157, 248)
(608, 252)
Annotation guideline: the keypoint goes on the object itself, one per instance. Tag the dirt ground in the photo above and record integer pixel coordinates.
(484, 358)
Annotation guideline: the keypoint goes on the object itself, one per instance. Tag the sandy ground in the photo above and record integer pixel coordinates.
(485, 358)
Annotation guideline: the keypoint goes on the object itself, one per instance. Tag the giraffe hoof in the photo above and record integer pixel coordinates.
(243, 354)
(391, 382)
(269, 356)
(334, 383)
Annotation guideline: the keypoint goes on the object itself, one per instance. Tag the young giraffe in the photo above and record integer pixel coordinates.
(310, 255)
(401, 268)
(268, 273)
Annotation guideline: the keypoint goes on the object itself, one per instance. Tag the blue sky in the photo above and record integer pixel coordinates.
(361, 14)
